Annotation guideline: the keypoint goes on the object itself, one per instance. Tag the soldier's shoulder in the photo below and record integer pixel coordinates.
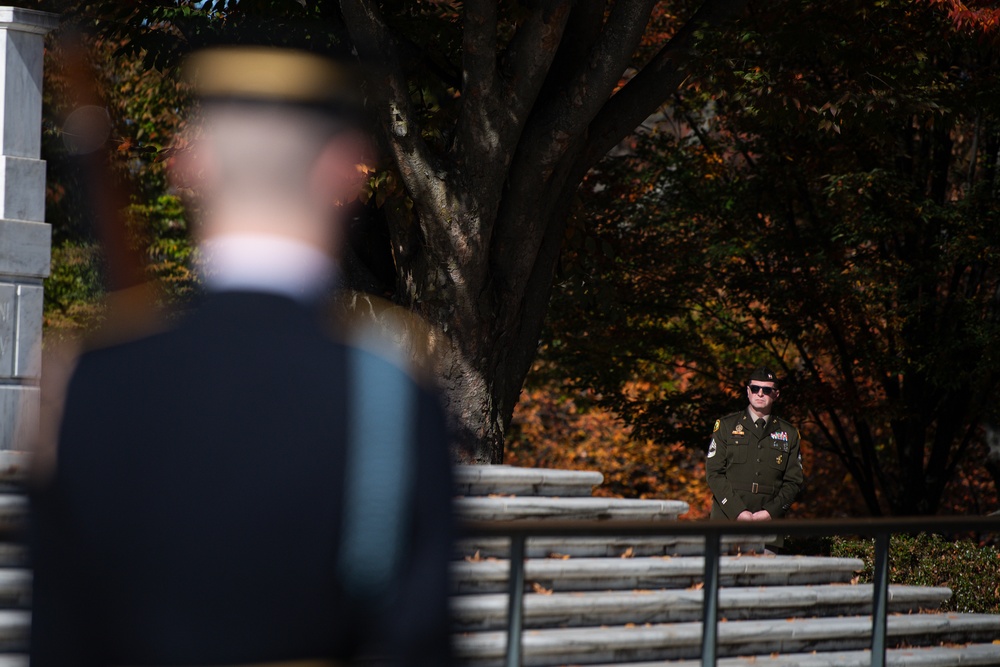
(728, 419)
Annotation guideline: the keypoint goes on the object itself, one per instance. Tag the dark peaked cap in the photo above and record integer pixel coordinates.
(763, 374)
(274, 75)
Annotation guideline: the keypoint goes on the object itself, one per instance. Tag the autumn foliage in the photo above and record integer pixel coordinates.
(555, 428)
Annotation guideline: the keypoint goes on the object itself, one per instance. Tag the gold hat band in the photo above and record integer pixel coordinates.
(270, 74)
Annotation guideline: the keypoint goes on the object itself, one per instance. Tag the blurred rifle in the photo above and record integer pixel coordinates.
(131, 301)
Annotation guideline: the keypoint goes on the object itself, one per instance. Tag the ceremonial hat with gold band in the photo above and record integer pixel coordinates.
(275, 75)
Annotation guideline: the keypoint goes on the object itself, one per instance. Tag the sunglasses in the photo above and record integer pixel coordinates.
(756, 388)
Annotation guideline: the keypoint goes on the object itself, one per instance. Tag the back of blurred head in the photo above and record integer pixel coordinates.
(276, 145)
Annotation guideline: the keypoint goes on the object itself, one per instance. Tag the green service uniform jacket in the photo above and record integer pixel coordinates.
(753, 469)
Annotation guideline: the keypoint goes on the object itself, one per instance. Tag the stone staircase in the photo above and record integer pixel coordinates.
(622, 601)
(637, 601)
(15, 577)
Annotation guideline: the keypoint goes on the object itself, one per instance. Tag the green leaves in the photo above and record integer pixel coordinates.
(970, 570)
(818, 200)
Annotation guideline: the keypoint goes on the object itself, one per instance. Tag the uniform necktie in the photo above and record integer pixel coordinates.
(760, 424)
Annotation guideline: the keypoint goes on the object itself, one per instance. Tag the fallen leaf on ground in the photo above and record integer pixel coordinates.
(541, 590)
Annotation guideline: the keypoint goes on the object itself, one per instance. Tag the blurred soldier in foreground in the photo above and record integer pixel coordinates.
(244, 488)
(754, 466)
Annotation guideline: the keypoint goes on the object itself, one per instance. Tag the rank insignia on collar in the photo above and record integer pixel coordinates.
(738, 430)
(779, 459)
(718, 422)
(780, 435)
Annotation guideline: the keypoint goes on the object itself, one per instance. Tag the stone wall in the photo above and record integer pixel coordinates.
(25, 238)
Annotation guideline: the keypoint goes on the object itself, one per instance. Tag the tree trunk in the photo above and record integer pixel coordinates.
(478, 257)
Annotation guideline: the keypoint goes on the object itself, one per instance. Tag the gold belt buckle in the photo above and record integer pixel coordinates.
(754, 487)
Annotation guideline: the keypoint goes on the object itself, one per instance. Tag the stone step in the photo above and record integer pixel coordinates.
(13, 660)
(483, 480)
(13, 512)
(14, 627)
(13, 467)
(13, 555)
(608, 547)
(970, 655)
(617, 644)
(15, 588)
(589, 574)
(503, 508)
(489, 612)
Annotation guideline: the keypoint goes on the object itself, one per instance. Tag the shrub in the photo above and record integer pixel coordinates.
(971, 571)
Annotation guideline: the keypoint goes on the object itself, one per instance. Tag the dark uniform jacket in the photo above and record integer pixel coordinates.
(753, 469)
(196, 509)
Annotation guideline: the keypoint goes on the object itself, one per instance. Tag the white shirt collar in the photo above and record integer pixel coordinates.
(265, 263)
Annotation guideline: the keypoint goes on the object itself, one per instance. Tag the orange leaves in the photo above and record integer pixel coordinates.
(553, 428)
(541, 590)
(973, 15)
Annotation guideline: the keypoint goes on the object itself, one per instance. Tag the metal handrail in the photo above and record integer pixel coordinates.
(712, 531)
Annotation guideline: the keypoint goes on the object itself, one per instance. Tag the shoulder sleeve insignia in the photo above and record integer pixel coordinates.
(718, 423)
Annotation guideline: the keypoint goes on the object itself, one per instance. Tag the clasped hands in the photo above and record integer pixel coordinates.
(747, 515)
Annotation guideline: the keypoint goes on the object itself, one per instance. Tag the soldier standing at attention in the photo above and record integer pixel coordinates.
(754, 467)
(246, 487)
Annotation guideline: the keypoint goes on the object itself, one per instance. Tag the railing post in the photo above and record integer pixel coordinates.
(710, 601)
(515, 601)
(880, 598)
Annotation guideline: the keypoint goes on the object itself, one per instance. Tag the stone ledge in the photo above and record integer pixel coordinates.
(683, 640)
(489, 612)
(588, 574)
(13, 467)
(972, 655)
(610, 547)
(15, 588)
(13, 511)
(27, 20)
(513, 508)
(14, 629)
(481, 480)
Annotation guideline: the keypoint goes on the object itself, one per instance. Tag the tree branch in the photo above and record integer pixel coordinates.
(598, 75)
(654, 83)
(584, 24)
(529, 55)
(479, 80)
(375, 44)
